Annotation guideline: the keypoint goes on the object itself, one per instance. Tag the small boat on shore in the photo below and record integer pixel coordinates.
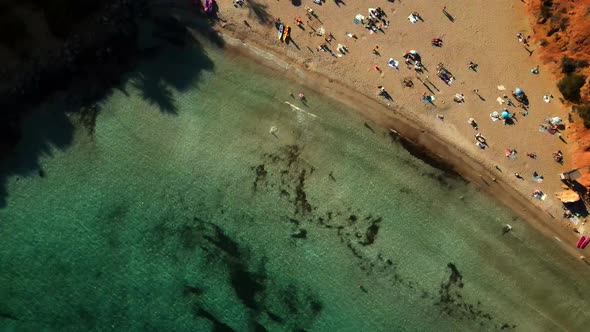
(281, 30)
(580, 241)
(286, 33)
(585, 243)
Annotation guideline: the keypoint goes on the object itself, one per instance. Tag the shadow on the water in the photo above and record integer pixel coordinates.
(156, 92)
(173, 68)
(41, 132)
(31, 132)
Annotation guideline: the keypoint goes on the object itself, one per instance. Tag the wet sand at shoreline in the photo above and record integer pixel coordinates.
(350, 79)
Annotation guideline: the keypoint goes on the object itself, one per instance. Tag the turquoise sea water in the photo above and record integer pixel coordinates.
(181, 212)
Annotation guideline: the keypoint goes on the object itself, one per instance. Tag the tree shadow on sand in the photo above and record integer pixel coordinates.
(259, 12)
(40, 127)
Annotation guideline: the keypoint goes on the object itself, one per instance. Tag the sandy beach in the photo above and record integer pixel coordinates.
(480, 32)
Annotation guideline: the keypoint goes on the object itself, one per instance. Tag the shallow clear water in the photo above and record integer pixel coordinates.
(180, 211)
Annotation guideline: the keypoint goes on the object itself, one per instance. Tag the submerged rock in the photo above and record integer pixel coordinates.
(300, 234)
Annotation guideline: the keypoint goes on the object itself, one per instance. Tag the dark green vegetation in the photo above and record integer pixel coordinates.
(584, 112)
(569, 65)
(546, 10)
(573, 81)
(571, 85)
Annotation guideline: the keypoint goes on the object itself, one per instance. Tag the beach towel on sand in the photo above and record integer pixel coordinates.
(412, 19)
(393, 63)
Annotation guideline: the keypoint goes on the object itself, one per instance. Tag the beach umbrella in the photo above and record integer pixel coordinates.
(505, 115)
(518, 91)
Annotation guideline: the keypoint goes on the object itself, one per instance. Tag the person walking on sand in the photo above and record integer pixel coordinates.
(376, 51)
(299, 22)
(480, 138)
(310, 12)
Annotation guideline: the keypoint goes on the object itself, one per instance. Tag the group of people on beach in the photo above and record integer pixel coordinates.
(377, 20)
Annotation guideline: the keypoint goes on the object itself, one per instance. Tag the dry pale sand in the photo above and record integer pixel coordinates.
(483, 32)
